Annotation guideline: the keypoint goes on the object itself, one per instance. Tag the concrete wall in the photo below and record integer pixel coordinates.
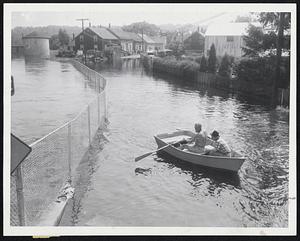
(232, 48)
(36, 47)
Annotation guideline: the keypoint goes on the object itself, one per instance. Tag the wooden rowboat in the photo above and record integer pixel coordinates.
(232, 163)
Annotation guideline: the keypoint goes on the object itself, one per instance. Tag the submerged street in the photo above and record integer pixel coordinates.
(113, 190)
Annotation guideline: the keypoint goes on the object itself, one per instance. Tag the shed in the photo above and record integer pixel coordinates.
(227, 38)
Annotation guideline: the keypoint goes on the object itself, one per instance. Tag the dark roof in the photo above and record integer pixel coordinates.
(103, 33)
(159, 39)
(35, 34)
(146, 38)
(124, 35)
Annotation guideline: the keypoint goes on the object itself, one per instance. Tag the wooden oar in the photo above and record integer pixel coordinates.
(150, 153)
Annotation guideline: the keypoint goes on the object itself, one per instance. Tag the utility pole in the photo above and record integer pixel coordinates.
(82, 24)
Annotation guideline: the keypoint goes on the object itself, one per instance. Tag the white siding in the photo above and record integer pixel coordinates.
(222, 46)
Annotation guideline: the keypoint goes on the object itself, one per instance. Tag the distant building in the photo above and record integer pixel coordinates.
(159, 42)
(194, 42)
(148, 43)
(36, 45)
(128, 40)
(95, 38)
(227, 38)
(17, 49)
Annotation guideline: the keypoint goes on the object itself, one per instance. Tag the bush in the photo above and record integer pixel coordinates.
(203, 64)
(184, 68)
(258, 70)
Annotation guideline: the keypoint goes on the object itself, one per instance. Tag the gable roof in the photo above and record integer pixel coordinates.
(121, 34)
(159, 39)
(227, 29)
(146, 38)
(103, 33)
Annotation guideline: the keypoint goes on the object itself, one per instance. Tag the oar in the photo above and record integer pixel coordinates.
(150, 153)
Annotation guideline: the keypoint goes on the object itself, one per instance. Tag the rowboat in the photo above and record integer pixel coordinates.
(232, 163)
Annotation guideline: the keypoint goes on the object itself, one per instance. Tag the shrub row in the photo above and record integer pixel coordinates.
(182, 68)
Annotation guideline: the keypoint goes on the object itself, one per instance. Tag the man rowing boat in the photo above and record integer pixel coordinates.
(221, 148)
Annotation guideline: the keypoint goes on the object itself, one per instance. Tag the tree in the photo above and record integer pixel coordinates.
(280, 21)
(177, 48)
(258, 43)
(203, 64)
(54, 42)
(63, 37)
(212, 60)
(225, 66)
(142, 27)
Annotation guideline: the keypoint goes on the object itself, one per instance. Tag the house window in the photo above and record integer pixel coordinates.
(81, 46)
(229, 38)
(95, 38)
(95, 46)
(81, 38)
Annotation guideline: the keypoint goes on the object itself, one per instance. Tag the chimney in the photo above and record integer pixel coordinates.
(90, 25)
(109, 25)
(73, 36)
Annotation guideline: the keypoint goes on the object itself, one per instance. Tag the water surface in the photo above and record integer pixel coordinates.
(47, 95)
(163, 191)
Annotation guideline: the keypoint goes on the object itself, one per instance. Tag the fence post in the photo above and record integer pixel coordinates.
(69, 148)
(98, 100)
(20, 196)
(89, 123)
(104, 104)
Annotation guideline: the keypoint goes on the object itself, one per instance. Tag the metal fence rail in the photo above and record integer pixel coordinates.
(54, 158)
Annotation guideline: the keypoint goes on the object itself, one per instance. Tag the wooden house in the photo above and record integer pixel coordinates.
(130, 42)
(159, 42)
(195, 42)
(227, 38)
(95, 38)
(148, 43)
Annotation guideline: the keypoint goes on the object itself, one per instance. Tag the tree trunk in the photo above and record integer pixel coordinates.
(278, 60)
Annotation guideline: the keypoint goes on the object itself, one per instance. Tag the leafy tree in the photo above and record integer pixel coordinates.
(54, 42)
(258, 43)
(272, 20)
(177, 48)
(142, 27)
(203, 64)
(212, 60)
(225, 66)
(281, 21)
(63, 37)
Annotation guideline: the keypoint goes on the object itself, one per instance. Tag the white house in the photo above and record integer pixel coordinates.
(227, 38)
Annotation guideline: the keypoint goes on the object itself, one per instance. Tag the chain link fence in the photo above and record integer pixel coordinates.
(54, 158)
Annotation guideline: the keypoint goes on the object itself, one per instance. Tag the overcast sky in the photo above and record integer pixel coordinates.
(119, 14)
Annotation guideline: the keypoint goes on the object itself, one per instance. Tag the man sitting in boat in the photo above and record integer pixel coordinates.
(221, 148)
(199, 140)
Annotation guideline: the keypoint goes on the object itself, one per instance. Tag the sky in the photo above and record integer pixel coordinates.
(118, 14)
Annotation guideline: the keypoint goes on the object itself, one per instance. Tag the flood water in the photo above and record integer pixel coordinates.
(47, 95)
(162, 191)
